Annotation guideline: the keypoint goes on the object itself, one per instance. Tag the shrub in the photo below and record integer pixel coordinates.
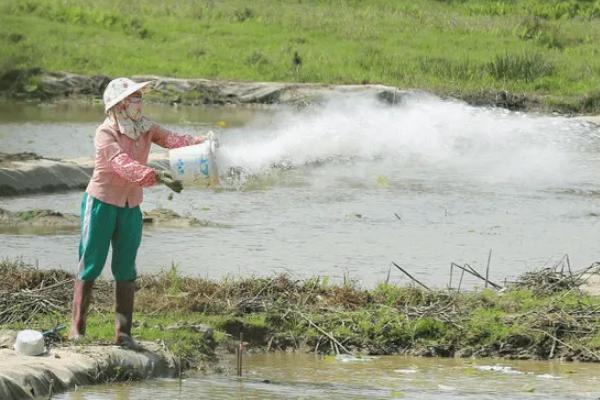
(534, 28)
(526, 67)
(429, 328)
(444, 68)
(257, 58)
(591, 102)
(244, 14)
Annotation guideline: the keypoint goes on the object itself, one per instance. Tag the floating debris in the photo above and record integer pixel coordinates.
(499, 368)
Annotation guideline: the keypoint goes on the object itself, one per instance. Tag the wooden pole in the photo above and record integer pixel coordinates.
(409, 275)
(487, 269)
(476, 274)
(450, 281)
(239, 353)
(51, 389)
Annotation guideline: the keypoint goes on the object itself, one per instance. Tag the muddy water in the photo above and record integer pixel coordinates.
(66, 130)
(347, 187)
(302, 376)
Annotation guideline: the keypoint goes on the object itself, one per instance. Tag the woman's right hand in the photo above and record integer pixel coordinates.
(166, 178)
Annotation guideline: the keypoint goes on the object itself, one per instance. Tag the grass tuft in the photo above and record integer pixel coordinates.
(525, 67)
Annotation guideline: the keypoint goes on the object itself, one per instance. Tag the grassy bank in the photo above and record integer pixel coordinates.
(544, 316)
(547, 48)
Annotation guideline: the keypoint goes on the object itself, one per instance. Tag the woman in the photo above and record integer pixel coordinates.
(110, 210)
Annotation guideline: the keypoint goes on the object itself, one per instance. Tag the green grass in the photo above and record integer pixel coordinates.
(545, 47)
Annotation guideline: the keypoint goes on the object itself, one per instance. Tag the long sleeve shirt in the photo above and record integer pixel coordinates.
(120, 173)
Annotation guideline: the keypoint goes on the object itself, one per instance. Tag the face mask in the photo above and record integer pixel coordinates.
(134, 109)
(128, 116)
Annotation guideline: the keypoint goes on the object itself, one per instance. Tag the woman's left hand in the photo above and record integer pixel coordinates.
(199, 139)
(167, 179)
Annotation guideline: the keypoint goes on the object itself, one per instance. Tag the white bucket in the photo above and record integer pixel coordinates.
(30, 343)
(195, 165)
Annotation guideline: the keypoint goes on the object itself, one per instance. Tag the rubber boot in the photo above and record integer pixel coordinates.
(124, 294)
(82, 296)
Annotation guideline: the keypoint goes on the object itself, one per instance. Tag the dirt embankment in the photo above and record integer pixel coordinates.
(39, 85)
(25, 173)
(67, 367)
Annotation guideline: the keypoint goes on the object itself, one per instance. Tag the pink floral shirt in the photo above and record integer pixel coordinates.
(120, 172)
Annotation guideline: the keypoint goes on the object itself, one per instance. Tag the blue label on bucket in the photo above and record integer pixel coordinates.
(203, 165)
(180, 166)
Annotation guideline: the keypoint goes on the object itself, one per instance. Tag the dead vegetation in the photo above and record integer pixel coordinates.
(542, 315)
(27, 292)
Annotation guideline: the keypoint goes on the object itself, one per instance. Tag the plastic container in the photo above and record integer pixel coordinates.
(30, 343)
(196, 165)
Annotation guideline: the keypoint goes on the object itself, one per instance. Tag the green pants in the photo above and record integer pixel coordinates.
(101, 225)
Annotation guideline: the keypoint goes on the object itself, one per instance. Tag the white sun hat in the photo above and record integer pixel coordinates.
(30, 343)
(118, 89)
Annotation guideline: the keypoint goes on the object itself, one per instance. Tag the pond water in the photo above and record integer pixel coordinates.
(304, 376)
(345, 188)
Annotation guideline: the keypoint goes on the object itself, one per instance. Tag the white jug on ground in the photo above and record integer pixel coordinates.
(196, 165)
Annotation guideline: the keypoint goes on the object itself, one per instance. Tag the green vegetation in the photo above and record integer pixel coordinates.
(547, 48)
(550, 320)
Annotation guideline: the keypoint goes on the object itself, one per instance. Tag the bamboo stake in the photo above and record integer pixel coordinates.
(239, 353)
(179, 372)
(409, 275)
(387, 278)
(51, 389)
(476, 274)
(487, 269)
(462, 274)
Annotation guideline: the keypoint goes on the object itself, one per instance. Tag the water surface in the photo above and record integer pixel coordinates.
(347, 187)
(304, 376)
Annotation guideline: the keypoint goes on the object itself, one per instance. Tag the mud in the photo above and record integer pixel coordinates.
(37, 221)
(42, 221)
(7, 159)
(163, 217)
(67, 367)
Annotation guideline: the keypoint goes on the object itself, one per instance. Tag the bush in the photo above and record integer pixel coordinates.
(244, 14)
(519, 67)
(594, 11)
(591, 102)
(429, 328)
(257, 59)
(488, 8)
(442, 67)
(534, 28)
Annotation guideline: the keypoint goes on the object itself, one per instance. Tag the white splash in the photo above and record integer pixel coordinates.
(422, 137)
